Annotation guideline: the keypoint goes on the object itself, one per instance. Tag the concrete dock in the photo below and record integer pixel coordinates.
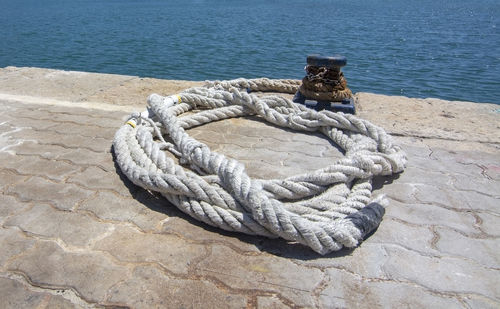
(74, 233)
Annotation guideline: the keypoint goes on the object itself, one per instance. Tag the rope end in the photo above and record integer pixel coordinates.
(367, 219)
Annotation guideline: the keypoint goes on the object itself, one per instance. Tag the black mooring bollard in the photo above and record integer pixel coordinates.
(332, 62)
(324, 73)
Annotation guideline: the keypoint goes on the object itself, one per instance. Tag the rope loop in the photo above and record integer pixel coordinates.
(326, 209)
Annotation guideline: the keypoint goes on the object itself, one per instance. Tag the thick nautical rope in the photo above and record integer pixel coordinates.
(326, 209)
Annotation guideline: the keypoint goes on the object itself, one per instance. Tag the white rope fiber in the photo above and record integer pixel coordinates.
(326, 209)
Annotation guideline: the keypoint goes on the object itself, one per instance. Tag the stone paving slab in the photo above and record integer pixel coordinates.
(85, 87)
(75, 234)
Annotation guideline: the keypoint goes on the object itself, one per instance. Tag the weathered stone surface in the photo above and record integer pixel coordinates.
(47, 222)
(25, 120)
(73, 141)
(447, 197)
(427, 215)
(9, 205)
(481, 185)
(90, 274)
(369, 262)
(74, 232)
(63, 196)
(66, 85)
(14, 295)
(171, 252)
(31, 112)
(62, 303)
(32, 148)
(470, 161)
(88, 130)
(85, 157)
(412, 236)
(13, 243)
(492, 170)
(9, 178)
(478, 201)
(138, 89)
(483, 251)
(148, 287)
(447, 274)
(489, 223)
(4, 126)
(422, 176)
(205, 234)
(52, 169)
(348, 290)
(478, 301)
(96, 178)
(270, 303)
(402, 192)
(146, 213)
(425, 117)
(79, 112)
(261, 273)
(88, 119)
(452, 161)
(10, 161)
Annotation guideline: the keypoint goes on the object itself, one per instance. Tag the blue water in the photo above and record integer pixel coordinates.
(447, 49)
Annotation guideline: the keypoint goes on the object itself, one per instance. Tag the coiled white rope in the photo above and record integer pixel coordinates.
(325, 209)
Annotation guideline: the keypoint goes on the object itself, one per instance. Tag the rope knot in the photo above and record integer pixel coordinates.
(188, 149)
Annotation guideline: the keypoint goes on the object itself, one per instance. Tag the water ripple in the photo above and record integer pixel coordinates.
(447, 49)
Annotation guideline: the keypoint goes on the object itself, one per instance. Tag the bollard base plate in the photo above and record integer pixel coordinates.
(346, 106)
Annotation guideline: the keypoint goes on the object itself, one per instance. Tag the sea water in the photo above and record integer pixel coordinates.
(447, 49)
